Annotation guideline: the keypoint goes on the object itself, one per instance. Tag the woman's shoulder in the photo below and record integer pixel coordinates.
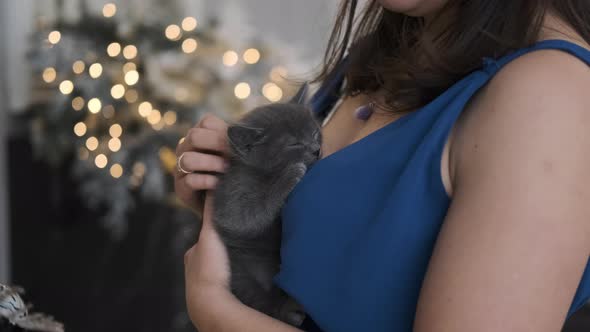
(538, 91)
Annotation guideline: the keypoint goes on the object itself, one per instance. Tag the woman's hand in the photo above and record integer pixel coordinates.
(208, 297)
(206, 267)
(204, 152)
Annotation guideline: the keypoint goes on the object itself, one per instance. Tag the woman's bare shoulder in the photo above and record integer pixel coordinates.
(548, 80)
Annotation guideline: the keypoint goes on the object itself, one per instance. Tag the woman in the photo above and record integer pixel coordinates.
(453, 189)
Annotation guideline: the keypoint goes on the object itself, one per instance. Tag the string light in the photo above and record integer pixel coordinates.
(129, 52)
(94, 105)
(114, 144)
(181, 94)
(189, 45)
(272, 92)
(154, 117)
(95, 70)
(230, 58)
(101, 161)
(54, 37)
(66, 87)
(129, 66)
(170, 118)
(131, 77)
(173, 32)
(109, 10)
(189, 24)
(49, 74)
(131, 96)
(251, 56)
(116, 171)
(114, 49)
(116, 130)
(118, 91)
(92, 143)
(78, 103)
(145, 108)
(78, 67)
(108, 111)
(242, 90)
(278, 73)
(80, 129)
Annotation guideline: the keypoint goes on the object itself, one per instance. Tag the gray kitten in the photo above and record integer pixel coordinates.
(271, 149)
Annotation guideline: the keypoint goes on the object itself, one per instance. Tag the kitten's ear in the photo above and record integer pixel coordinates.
(299, 97)
(242, 138)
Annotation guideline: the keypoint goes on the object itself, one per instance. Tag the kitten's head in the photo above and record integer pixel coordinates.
(273, 136)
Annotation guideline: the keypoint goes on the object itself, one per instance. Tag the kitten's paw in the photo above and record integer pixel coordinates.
(292, 313)
(299, 170)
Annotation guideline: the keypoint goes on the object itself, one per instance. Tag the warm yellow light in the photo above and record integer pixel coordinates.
(242, 90)
(101, 161)
(272, 92)
(114, 49)
(66, 87)
(170, 118)
(130, 52)
(109, 10)
(54, 37)
(181, 94)
(116, 171)
(94, 105)
(78, 103)
(189, 45)
(129, 66)
(154, 117)
(108, 111)
(278, 73)
(131, 96)
(173, 32)
(145, 108)
(80, 129)
(251, 56)
(92, 143)
(189, 24)
(131, 77)
(78, 67)
(95, 70)
(114, 144)
(118, 91)
(116, 130)
(230, 58)
(49, 74)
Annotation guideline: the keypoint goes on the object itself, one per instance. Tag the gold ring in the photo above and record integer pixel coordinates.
(180, 169)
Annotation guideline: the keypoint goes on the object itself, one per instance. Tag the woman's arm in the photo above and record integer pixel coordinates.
(210, 304)
(516, 239)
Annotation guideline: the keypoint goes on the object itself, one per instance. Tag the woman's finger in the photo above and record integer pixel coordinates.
(204, 139)
(199, 181)
(202, 162)
(210, 121)
(208, 210)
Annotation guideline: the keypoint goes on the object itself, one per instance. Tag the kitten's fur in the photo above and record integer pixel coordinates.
(271, 148)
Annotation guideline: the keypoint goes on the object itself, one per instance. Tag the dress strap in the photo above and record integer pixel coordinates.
(491, 66)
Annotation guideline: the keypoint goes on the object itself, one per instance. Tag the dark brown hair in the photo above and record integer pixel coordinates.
(414, 62)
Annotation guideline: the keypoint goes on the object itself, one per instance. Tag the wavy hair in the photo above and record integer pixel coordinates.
(414, 61)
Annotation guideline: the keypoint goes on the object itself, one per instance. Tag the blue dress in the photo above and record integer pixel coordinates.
(360, 227)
